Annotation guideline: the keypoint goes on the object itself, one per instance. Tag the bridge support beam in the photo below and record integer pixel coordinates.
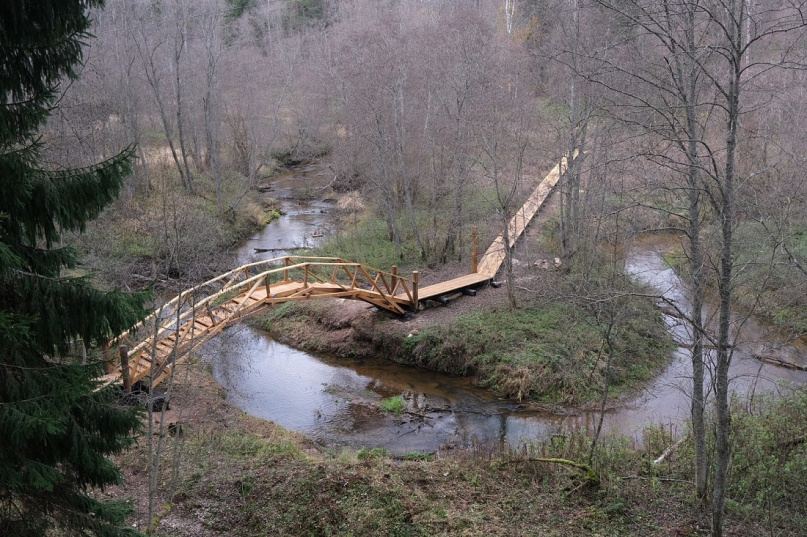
(415, 285)
(475, 251)
(123, 350)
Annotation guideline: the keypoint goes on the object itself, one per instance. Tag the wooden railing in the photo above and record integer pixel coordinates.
(191, 318)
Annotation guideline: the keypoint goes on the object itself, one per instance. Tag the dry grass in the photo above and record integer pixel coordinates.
(244, 476)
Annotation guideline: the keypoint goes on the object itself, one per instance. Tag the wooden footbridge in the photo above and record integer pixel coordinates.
(152, 349)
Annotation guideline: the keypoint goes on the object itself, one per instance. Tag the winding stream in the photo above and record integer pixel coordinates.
(334, 401)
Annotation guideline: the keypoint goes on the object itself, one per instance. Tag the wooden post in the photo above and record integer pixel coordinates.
(305, 277)
(394, 279)
(124, 368)
(286, 272)
(415, 282)
(210, 314)
(109, 366)
(266, 280)
(474, 251)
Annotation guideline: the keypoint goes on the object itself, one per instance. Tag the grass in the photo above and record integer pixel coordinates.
(373, 454)
(234, 482)
(549, 352)
(767, 282)
(225, 297)
(394, 405)
(368, 240)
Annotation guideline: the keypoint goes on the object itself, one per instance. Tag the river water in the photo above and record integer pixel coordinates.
(334, 401)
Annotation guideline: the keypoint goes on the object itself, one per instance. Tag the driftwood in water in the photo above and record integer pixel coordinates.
(281, 249)
(779, 361)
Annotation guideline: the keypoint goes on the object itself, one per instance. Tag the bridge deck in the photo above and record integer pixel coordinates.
(493, 258)
(451, 286)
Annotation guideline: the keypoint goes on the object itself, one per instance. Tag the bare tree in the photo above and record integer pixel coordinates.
(697, 57)
(211, 27)
(503, 139)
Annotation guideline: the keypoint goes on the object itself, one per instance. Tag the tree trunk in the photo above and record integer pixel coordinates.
(688, 76)
(724, 352)
(401, 152)
(179, 47)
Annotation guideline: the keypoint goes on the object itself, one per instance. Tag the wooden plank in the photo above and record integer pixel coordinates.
(450, 286)
(494, 256)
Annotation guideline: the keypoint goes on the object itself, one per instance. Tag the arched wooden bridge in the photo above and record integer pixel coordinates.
(152, 349)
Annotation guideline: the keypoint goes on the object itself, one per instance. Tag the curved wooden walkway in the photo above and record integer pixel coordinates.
(151, 351)
(154, 347)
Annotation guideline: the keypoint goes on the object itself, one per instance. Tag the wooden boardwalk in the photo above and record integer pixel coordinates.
(490, 263)
(452, 286)
(151, 351)
(494, 256)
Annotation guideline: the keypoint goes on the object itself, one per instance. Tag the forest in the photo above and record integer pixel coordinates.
(432, 120)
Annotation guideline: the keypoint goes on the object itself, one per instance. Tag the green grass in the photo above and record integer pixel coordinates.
(550, 352)
(225, 297)
(368, 240)
(417, 456)
(373, 454)
(246, 446)
(394, 405)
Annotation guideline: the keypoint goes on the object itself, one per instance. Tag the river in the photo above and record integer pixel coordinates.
(334, 401)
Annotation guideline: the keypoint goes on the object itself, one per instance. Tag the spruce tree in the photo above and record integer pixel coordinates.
(56, 428)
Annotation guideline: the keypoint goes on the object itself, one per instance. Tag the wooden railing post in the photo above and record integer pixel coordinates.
(286, 272)
(266, 281)
(305, 277)
(123, 350)
(415, 283)
(109, 365)
(394, 279)
(474, 251)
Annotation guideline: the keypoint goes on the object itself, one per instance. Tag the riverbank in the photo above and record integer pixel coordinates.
(225, 473)
(548, 349)
(168, 238)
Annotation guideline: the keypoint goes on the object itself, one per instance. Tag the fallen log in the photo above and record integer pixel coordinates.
(589, 478)
(668, 451)
(779, 362)
(281, 249)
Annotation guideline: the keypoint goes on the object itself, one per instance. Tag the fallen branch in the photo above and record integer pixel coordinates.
(790, 444)
(663, 479)
(590, 477)
(668, 451)
(780, 362)
(282, 249)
